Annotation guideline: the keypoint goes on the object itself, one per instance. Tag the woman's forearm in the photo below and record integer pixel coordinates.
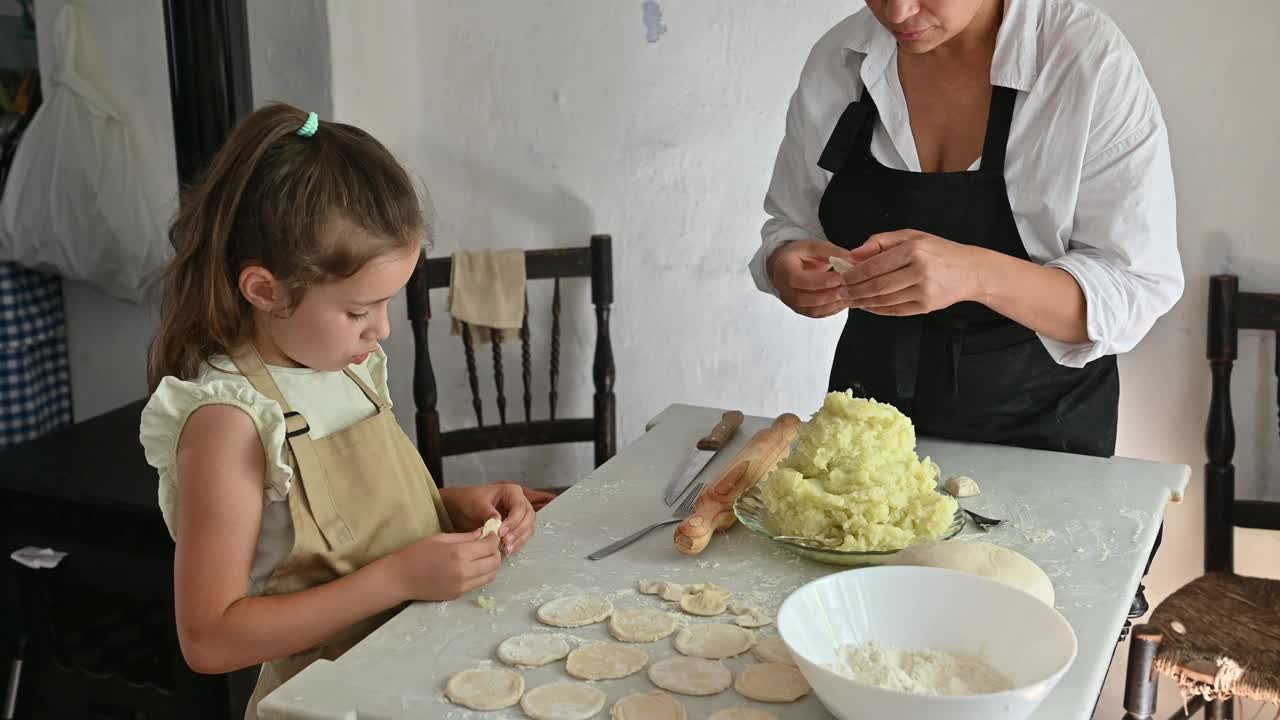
(1045, 299)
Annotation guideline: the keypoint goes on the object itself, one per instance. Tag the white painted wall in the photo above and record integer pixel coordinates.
(289, 46)
(538, 124)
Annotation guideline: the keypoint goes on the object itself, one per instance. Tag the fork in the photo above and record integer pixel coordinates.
(684, 510)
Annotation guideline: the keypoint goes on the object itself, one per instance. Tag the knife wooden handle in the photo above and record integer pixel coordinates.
(714, 508)
(722, 432)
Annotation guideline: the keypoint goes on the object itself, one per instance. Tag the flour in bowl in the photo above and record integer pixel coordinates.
(922, 672)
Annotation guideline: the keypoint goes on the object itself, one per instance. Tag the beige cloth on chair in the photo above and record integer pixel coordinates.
(487, 292)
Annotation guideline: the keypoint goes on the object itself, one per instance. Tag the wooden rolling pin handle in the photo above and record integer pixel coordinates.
(714, 508)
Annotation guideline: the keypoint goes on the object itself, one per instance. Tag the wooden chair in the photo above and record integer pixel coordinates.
(595, 262)
(1220, 615)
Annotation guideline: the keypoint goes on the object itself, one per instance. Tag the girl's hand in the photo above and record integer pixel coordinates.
(537, 498)
(801, 273)
(445, 566)
(470, 507)
(909, 272)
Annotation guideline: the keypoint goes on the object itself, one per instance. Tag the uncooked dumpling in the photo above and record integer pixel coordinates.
(669, 591)
(961, 486)
(772, 682)
(980, 558)
(485, 688)
(714, 641)
(773, 650)
(533, 649)
(648, 706)
(490, 527)
(605, 661)
(575, 611)
(642, 625)
(840, 265)
(707, 603)
(563, 701)
(691, 676)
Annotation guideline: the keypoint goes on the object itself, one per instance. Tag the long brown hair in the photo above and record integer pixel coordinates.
(264, 200)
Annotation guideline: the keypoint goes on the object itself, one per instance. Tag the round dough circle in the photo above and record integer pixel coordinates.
(563, 701)
(708, 603)
(773, 650)
(605, 661)
(742, 713)
(772, 682)
(714, 641)
(642, 625)
(533, 649)
(575, 611)
(980, 558)
(691, 676)
(648, 706)
(485, 688)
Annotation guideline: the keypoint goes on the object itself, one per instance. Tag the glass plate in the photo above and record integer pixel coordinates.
(751, 512)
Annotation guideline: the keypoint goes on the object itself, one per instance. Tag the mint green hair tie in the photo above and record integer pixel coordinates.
(309, 127)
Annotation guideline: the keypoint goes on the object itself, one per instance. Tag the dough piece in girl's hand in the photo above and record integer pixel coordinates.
(648, 706)
(840, 265)
(642, 625)
(772, 682)
(563, 701)
(714, 641)
(485, 688)
(533, 649)
(490, 527)
(691, 676)
(606, 661)
(575, 611)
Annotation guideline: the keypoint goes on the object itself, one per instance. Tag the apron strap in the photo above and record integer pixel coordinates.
(852, 132)
(369, 392)
(313, 478)
(999, 120)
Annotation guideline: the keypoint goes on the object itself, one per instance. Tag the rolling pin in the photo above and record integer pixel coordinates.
(714, 508)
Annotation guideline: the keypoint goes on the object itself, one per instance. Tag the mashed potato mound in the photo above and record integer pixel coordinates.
(854, 478)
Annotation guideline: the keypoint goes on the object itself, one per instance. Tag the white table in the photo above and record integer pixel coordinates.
(1090, 523)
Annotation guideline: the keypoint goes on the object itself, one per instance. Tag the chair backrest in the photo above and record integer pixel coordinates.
(1229, 312)
(594, 261)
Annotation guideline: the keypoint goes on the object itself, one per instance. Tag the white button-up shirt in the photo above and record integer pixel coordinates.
(1087, 166)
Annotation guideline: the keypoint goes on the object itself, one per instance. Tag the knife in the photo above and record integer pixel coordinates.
(702, 453)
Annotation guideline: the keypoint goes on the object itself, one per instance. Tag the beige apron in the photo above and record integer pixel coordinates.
(357, 495)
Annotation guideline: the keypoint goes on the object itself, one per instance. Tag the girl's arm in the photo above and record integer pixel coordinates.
(221, 468)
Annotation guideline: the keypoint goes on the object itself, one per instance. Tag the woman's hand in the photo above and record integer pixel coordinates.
(470, 507)
(801, 273)
(908, 272)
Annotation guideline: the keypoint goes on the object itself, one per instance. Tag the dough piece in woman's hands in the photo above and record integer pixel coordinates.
(669, 591)
(485, 688)
(642, 625)
(742, 713)
(563, 701)
(648, 706)
(714, 641)
(961, 486)
(840, 265)
(772, 682)
(606, 661)
(772, 650)
(575, 611)
(980, 558)
(691, 676)
(490, 527)
(709, 602)
(533, 649)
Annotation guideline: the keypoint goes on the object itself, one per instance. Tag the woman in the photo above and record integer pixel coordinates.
(998, 173)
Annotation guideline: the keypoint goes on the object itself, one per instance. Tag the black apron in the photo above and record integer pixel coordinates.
(964, 372)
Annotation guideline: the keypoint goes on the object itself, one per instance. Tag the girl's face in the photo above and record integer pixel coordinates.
(336, 323)
(922, 25)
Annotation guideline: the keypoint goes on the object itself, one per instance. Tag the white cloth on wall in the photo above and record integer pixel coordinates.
(81, 199)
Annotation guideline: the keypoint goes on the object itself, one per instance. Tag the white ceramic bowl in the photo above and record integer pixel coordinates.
(922, 608)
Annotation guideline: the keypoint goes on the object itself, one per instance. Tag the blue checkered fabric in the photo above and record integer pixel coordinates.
(35, 378)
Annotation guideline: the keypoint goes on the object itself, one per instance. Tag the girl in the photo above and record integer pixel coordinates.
(303, 516)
